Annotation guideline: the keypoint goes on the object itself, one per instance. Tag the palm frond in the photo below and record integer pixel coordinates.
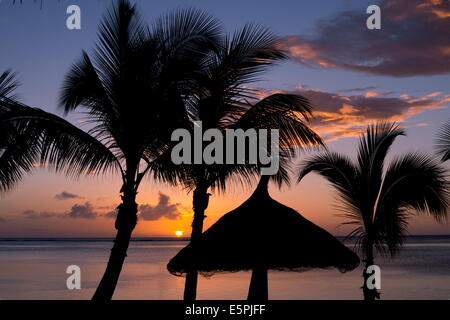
(54, 142)
(289, 113)
(415, 182)
(18, 157)
(251, 50)
(285, 169)
(8, 84)
(443, 141)
(341, 174)
(358, 234)
(120, 32)
(391, 227)
(375, 144)
(14, 155)
(238, 61)
(187, 34)
(372, 150)
(83, 87)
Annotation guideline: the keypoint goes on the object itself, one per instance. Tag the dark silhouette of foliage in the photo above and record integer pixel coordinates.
(222, 99)
(443, 141)
(131, 91)
(378, 198)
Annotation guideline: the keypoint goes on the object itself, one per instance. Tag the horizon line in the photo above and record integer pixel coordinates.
(164, 237)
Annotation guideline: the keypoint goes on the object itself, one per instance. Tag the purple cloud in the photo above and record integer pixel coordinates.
(31, 214)
(162, 209)
(77, 211)
(110, 214)
(85, 211)
(67, 195)
(414, 40)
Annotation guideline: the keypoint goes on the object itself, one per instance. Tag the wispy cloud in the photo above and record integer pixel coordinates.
(77, 211)
(31, 214)
(148, 212)
(67, 195)
(370, 94)
(423, 124)
(338, 115)
(414, 40)
(358, 89)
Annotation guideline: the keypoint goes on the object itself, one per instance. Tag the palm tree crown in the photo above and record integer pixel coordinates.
(131, 93)
(223, 99)
(378, 198)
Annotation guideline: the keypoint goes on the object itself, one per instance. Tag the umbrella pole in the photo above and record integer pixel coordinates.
(258, 289)
(190, 287)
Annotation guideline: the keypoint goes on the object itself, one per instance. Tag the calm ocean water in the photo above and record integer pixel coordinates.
(36, 269)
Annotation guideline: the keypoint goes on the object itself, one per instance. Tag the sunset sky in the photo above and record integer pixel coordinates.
(353, 76)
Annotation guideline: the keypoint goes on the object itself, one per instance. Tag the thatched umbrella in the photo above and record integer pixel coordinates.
(259, 235)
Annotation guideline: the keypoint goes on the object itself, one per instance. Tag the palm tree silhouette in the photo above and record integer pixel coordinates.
(443, 141)
(18, 146)
(132, 95)
(379, 201)
(223, 100)
(12, 164)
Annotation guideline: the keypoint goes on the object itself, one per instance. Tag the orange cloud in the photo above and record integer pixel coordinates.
(433, 94)
(338, 115)
(371, 94)
(347, 109)
(305, 52)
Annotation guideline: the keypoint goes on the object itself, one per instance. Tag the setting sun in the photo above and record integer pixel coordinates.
(178, 233)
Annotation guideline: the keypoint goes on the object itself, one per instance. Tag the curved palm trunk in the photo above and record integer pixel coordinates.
(258, 290)
(200, 203)
(125, 223)
(369, 294)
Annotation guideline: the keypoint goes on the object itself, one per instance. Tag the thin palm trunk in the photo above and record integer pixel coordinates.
(125, 224)
(369, 294)
(200, 203)
(258, 290)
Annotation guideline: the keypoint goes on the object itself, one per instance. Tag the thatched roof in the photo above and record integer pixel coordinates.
(263, 232)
